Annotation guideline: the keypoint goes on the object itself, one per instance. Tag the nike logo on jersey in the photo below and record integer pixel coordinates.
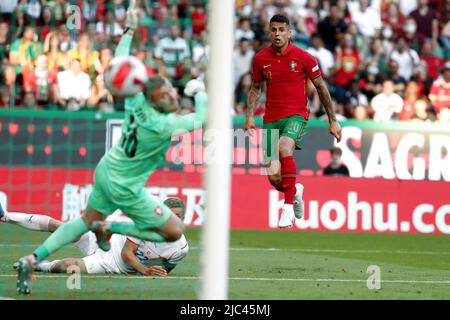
(266, 66)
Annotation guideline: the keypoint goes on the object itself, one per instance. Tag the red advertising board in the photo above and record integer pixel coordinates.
(333, 204)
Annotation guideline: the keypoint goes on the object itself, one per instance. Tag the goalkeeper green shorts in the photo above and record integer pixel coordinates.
(294, 127)
(106, 197)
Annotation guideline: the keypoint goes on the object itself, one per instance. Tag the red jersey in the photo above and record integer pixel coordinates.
(440, 92)
(285, 75)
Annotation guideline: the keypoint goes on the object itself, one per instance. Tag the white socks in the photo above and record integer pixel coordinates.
(35, 222)
(46, 266)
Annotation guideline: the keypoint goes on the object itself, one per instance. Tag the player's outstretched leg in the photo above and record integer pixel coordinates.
(170, 231)
(25, 274)
(64, 235)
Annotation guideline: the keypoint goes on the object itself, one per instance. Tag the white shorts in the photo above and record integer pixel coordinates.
(101, 262)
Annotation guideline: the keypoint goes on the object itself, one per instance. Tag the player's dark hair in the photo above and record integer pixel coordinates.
(174, 203)
(280, 18)
(336, 150)
(155, 82)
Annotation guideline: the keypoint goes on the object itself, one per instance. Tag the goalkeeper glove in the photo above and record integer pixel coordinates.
(193, 86)
(132, 16)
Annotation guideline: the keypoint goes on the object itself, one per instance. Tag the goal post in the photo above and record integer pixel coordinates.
(217, 179)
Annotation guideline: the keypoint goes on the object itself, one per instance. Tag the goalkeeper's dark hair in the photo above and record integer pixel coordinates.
(280, 18)
(174, 203)
(155, 82)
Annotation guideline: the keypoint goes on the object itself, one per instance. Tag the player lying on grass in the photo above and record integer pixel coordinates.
(127, 255)
(120, 176)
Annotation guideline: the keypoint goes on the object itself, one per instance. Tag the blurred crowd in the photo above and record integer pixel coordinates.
(382, 59)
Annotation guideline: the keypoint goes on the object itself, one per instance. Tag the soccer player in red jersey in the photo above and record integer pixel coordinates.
(286, 68)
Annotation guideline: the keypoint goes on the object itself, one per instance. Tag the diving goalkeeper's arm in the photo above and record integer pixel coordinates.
(176, 125)
(124, 46)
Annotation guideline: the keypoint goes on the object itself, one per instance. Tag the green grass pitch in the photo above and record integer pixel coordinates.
(263, 265)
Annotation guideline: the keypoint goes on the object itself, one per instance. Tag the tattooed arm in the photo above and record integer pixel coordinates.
(252, 101)
(325, 98)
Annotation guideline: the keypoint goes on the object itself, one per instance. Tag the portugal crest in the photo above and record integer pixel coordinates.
(293, 65)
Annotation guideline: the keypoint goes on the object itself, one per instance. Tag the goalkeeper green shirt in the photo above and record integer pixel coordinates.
(146, 136)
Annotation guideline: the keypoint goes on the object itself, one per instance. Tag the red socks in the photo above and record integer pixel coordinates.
(288, 178)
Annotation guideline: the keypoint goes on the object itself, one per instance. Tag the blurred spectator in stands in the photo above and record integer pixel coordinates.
(386, 104)
(432, 59)
(5, 41)
(170, 52)
(332, 28)
(366, 18)
(198, 17)
(306, 20)
(393, 74)
(56, 58)
(90, 9)
(445, 39)
(323, 56)
(66, 41)
(29, 101)
(200, 48)
(58, 10)
(420, 75)
(106, 55)
(7, 8)
(336, 167)
(370, 81)
(422, 111)
(242, 59)
(386, 38)
(25, 49)
(40, 80)
(361, 113)
(243, 30)
(5, 101)
(361, 43)
(407, 6)
(74, 87)
(412, 38)
(354, 98)
(393, 18)
(347, 65)
(411, 96)
(88, 57)
(426, 20)
(47, 24)
(405, 57)
(440, 91)
(108, 26)
(100, 98)
(375, 54)
(13, 85)
(241, 93)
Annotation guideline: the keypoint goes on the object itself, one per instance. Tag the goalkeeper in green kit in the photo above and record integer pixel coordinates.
(121, 174)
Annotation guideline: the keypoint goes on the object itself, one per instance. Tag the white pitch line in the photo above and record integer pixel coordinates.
(237, 279)
(305, 250)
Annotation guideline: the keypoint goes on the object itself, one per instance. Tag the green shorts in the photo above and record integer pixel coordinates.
(294, 127)
(106, 197)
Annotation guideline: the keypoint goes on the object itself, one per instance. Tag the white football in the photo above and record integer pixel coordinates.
(125, 76)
